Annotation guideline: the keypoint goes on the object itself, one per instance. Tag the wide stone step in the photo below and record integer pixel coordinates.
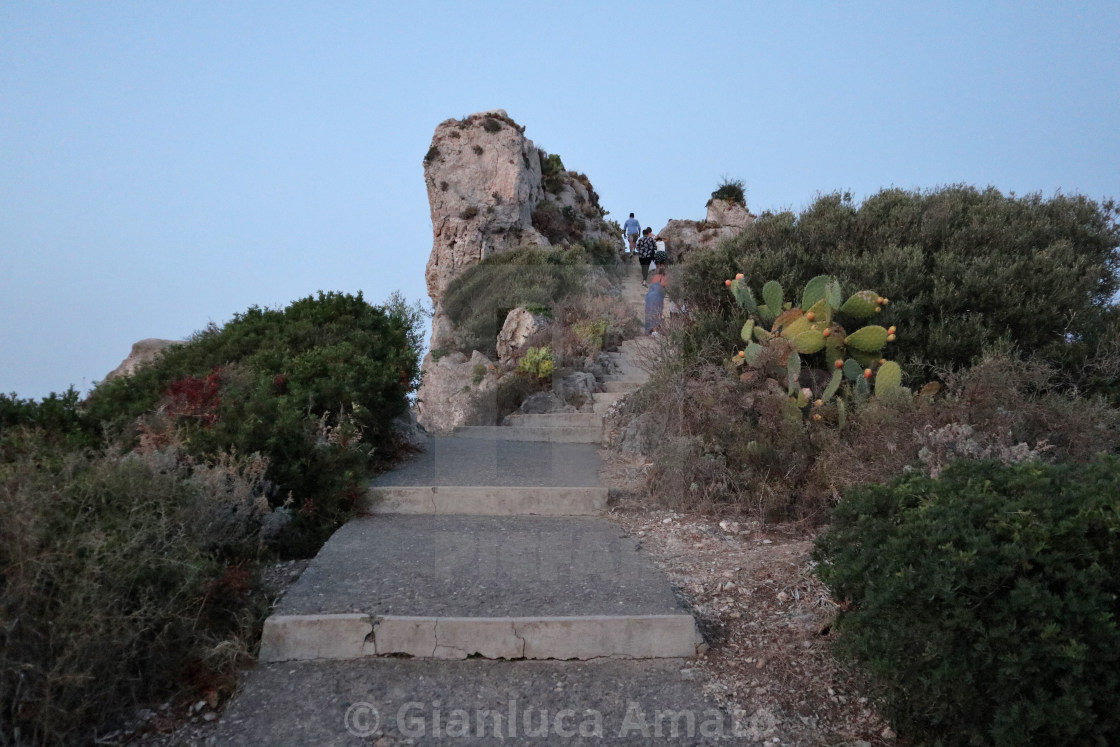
(572, 434)
(488, 500)
(556, 419)
(496, 587)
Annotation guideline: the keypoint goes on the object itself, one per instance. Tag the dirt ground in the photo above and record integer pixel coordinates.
(766, 617)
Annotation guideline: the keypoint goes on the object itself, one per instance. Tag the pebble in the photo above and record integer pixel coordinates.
(888, 733)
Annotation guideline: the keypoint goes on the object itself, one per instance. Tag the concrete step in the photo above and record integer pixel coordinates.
(486, 500)
(554, 419)
(569, 434)
(623, 387)
(450, 587)
(604, 400)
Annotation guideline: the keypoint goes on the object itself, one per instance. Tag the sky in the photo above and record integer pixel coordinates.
(164, 165)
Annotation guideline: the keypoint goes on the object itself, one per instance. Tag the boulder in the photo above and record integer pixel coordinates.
(575, 389)
(520, 325)
(142, 352)
(543, 402)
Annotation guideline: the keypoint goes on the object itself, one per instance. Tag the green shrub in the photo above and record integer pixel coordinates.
(984, 603)
(730, 190)
(558, 225)
(480, 298)
(966, 269)
(537, 362)
(290, 384)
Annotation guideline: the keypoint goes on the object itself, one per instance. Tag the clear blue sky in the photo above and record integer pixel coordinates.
(164, 165)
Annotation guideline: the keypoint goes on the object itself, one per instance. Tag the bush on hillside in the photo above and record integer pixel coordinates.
(984, 603)
(965, 269)
(730, 190)
(313, 387)
(479, 299)
(126, 577)
(715, 439)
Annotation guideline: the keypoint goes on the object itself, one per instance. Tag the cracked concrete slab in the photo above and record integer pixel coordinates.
(288, 638)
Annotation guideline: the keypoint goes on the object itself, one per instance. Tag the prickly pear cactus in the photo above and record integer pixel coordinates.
(812, 332)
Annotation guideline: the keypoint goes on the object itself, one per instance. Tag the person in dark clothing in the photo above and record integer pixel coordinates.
(647, 246)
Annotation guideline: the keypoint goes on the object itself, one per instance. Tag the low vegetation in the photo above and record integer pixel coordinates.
(133, 525)
(983, 603)
(970, 342)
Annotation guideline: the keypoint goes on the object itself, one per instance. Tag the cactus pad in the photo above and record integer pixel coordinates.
(809, 341)
(743, 295)
(793, 373)
(814, 291)
(888, 378)
(834, 385)
(861, 305)
(748, 331)
(772, 294)
(852, 370)
(753, 355)
(869, 339)
(832, 294)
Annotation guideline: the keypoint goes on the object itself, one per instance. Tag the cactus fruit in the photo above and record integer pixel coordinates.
(727, 283)
(739, 276)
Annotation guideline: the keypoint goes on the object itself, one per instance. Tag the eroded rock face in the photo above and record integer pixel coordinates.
(484, 179)
(520, 325)
(729, 214)
(142, 352)
(724, 220)
(451, 384)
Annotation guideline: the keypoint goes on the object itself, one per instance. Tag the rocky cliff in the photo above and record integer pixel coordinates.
(723, 220)
(491, 190)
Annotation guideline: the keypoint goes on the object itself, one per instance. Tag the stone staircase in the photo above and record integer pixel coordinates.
(488, 545)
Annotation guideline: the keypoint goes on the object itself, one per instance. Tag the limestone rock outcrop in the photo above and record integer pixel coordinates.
(491, 190)
(723, 220)
(454, 381)
(142, 352)
(520, 325)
